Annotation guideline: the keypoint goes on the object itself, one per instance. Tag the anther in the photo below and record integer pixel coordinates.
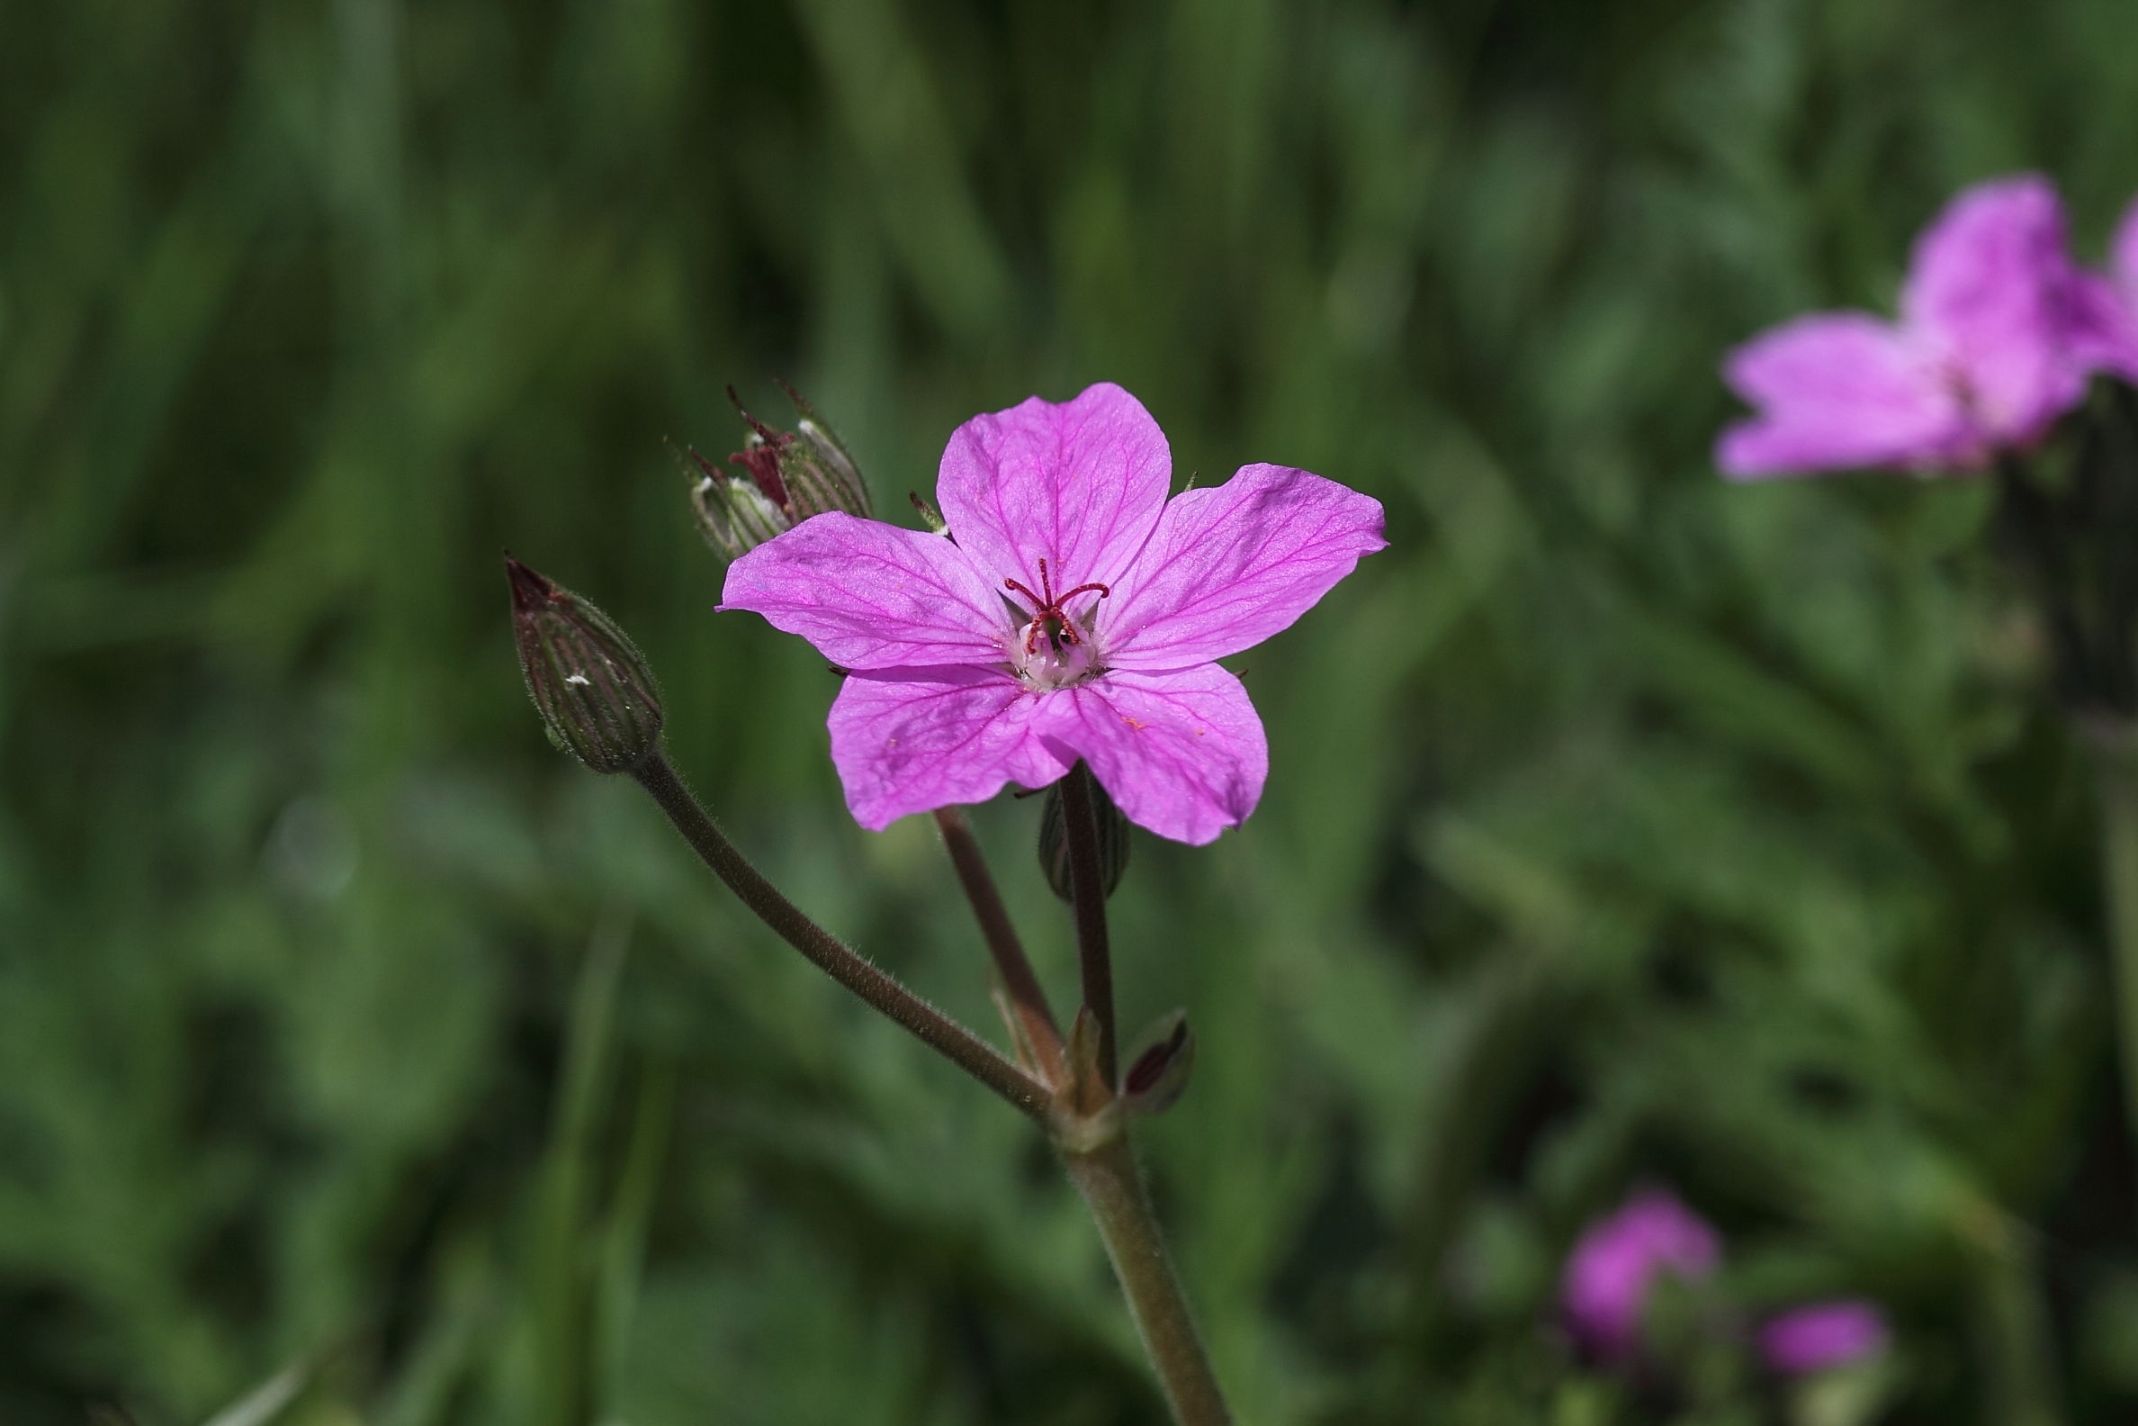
(1047, 608)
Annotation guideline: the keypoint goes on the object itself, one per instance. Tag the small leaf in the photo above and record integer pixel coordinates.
(930, 516)
(1089, 1092)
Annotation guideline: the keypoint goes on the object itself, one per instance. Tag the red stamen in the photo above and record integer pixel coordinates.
(762, 461)
(1048, 605)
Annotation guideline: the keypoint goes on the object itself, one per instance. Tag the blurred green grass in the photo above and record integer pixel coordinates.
(1621, 826)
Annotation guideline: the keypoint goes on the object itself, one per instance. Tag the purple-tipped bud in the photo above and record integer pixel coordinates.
(1821, 1336)
(819, 470)
(589, 683)
(775, 482)
(734, 514)
(1054, 841)
(1158, 1066)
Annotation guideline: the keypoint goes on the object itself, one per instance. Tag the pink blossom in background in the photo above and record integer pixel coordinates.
(1604, 1290)
(1989, 350)
(2110, 304)
(1821, 1336)
(1074, 613)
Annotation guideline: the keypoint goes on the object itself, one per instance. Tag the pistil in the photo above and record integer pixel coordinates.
(1049, 618)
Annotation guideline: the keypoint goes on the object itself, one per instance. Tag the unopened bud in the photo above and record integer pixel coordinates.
(734, 514)
(1054, 841)
(1158, 1066)
(930, 516)
(589, 683)
(775, 482)
(819, 471)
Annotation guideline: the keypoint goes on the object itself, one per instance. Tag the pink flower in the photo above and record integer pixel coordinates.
(1987, 354)
(2109, 304)
(1604, 1290)
(1821, 1336)
(1079, 614)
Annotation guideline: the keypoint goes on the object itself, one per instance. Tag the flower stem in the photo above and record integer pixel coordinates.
(2012, 1323)
(1087, 885)
(1112, 1186)
(2115, 749)
(828, 953)
(1028, 999)
(2032, 528)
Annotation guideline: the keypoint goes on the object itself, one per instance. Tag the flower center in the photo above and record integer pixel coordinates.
(1053, 652)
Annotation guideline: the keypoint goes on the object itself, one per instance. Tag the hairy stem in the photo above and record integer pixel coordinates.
(1112, 1185)
(828, 953)
(1028, 999)
(1087, 886)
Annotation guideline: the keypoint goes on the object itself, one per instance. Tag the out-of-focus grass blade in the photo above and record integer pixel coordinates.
(266, 1401)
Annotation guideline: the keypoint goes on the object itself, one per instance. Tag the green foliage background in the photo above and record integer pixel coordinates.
(1623, 827)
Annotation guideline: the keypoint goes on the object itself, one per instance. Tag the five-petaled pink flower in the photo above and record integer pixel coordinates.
(1989, 351)
(1074, 613)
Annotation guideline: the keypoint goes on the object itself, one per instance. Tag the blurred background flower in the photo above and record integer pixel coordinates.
(1822, 1336)
(1608, 1276)
(1987, 354)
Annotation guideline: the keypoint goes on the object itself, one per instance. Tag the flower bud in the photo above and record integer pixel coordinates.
(1054, 841)
(591, 686)
(1158, 1066)
(785, 477)
(734, 514)
(819, 472)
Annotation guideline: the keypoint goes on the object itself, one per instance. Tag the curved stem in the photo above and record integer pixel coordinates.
(1112, 1185)
(1087, 886)
(1028, 999)
(828, 953)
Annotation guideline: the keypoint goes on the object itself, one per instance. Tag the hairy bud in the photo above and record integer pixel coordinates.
(589, 683)
(779, 479)
(1054, 841)
(1159, 1065)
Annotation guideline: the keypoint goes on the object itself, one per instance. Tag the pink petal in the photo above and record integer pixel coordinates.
(1078, 484)
(1232, 564)
(905, 744)
(2109, 306)
(870, 595)
(2107, 328)
(1838, 391)
(1991, 288)
(2123, 257)
(1182, 754)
